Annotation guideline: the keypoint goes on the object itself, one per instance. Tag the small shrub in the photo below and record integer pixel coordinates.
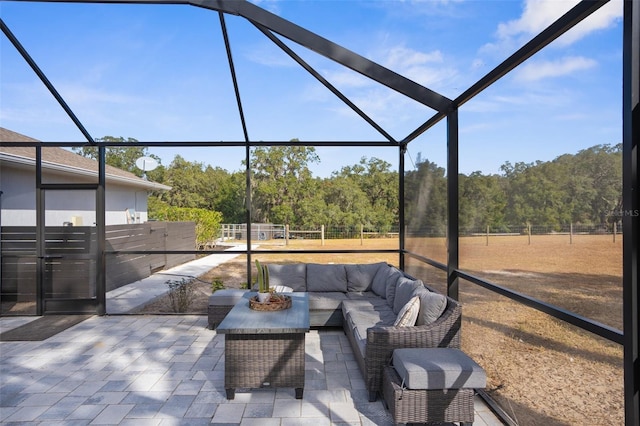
(181, 295)
(216, 284)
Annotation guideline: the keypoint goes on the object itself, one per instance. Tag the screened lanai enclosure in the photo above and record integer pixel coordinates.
(541, 250)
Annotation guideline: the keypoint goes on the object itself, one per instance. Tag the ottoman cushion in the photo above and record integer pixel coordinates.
(437, 368)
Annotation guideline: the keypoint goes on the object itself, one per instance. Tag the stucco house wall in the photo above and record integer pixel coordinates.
(125, 194)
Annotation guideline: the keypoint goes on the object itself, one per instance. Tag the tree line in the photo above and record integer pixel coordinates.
(585, 187)
(582, 188)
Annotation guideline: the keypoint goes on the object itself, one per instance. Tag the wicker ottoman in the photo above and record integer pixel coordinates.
(221, 302)
(431, 385)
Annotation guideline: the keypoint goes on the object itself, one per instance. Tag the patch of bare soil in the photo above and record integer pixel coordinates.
(231, 274)
(541, 371)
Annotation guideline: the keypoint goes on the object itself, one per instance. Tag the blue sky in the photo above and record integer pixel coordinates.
(159, 73)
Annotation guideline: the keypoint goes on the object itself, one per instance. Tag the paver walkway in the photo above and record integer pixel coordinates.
(129, 298)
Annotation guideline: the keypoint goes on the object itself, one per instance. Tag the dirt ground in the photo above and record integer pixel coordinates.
(541, 371)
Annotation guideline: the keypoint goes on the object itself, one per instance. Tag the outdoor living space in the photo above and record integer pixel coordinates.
(169, 369)
(154, 153)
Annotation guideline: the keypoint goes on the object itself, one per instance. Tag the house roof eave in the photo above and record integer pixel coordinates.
(77, 171)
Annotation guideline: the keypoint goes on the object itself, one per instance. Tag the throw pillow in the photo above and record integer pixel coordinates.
(409, 313)
(432, 305)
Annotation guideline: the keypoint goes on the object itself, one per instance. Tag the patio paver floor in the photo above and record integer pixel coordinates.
(167, 370)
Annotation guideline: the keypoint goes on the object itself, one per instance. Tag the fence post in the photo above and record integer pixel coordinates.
(571, 233)
(361, 234)
(487, 243)
(529, 232)
(286, 234)
(615, 231)
(322, 235)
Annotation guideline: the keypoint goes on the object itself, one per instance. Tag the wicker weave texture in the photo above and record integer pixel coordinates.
(423, 406)
(264, 360)
(381, 341)
(216, 314)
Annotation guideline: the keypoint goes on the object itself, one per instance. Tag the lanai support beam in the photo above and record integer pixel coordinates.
(631, 209)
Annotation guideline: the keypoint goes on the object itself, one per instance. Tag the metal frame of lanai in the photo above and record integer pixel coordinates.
(273, 26)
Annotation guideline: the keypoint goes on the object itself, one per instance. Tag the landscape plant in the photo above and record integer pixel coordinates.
(217, 284)
(181, 294)
(207, 222)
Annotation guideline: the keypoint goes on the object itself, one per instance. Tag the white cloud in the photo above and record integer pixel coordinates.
(538, 70)
(402, 57)
(607, 16)
(345, 78)
(424, 68)
(518, 102)
(539, 14)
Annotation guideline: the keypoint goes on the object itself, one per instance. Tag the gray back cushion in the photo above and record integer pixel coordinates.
(404, 292)
(392, 285)
(293, 275)
(432, 305)
(326, 277)
(386, 275)
(360, 277)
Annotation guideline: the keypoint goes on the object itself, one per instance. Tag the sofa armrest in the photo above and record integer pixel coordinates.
(381, 341)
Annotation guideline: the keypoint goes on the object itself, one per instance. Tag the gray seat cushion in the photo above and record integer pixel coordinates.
(358, 332)
(359, 322)
(365, 304)
(362, 314)
(363, 295)
(438, 368)
(331, 300)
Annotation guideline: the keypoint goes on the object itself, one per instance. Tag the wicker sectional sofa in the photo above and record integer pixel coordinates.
(367, 300)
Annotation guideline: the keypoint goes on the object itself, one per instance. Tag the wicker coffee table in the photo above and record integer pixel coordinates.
(265, 349)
